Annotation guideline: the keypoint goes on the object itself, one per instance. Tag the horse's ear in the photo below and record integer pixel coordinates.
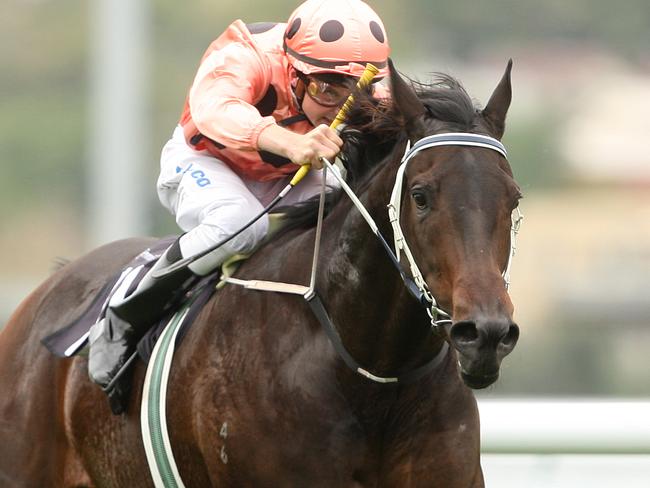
(407, 103)
(496, 109)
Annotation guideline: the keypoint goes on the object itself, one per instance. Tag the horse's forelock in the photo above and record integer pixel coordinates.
(448, 103)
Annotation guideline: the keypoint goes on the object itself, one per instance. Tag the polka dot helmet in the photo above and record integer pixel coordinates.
(336, 36)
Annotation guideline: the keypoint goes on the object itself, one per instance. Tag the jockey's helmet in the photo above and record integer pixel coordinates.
(336, 36)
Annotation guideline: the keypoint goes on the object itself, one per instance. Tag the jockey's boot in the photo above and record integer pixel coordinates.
(113, 340)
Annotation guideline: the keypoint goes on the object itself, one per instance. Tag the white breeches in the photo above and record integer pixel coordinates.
(211, 202)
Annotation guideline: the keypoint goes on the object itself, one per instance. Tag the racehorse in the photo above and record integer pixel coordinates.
(262, 364)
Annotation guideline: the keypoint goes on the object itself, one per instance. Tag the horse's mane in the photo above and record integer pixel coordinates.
(375, 127)
(445, 100)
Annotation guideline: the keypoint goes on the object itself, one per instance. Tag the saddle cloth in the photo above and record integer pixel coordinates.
(72, 339)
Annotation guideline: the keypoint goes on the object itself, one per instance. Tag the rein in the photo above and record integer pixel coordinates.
(416, 284)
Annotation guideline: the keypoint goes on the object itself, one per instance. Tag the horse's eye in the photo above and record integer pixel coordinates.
(420, 199)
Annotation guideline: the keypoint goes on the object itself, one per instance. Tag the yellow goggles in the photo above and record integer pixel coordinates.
(328, 94)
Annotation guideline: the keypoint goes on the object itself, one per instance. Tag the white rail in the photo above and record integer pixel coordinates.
(575, 426)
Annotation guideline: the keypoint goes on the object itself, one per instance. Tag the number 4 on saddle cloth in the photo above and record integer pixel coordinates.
(72, 339)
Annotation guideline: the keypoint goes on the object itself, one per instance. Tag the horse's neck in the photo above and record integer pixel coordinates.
(380, 323)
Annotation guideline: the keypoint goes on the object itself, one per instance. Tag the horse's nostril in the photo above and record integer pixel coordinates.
(464, 332)
(510, 339)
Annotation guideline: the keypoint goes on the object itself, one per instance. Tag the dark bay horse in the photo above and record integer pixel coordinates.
(261, 363)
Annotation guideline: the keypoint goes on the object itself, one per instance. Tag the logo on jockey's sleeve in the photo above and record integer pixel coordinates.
(197, 174)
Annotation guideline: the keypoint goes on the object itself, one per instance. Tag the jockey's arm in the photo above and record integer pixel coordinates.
(221, 98)
(225, 87)
(301, 148)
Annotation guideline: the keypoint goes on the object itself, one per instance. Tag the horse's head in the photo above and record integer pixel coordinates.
(456, 211)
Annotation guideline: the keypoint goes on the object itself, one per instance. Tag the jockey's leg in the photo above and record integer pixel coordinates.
(211, 203)
(113, 339)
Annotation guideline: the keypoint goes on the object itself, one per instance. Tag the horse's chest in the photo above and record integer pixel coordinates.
(282, 418)
(318, 442)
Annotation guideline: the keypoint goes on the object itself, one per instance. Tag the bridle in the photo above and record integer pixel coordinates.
(415, 283)
(394, 208)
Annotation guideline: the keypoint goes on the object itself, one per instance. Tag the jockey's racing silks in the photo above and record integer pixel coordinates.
(242, 86)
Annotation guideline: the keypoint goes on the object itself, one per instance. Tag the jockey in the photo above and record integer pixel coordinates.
(261, 103)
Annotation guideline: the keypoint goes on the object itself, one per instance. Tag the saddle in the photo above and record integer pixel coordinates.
(72, 339)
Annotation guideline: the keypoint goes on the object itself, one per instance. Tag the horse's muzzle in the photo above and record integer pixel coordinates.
(481, 346)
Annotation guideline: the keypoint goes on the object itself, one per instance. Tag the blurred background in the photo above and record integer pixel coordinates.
(90, 91)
